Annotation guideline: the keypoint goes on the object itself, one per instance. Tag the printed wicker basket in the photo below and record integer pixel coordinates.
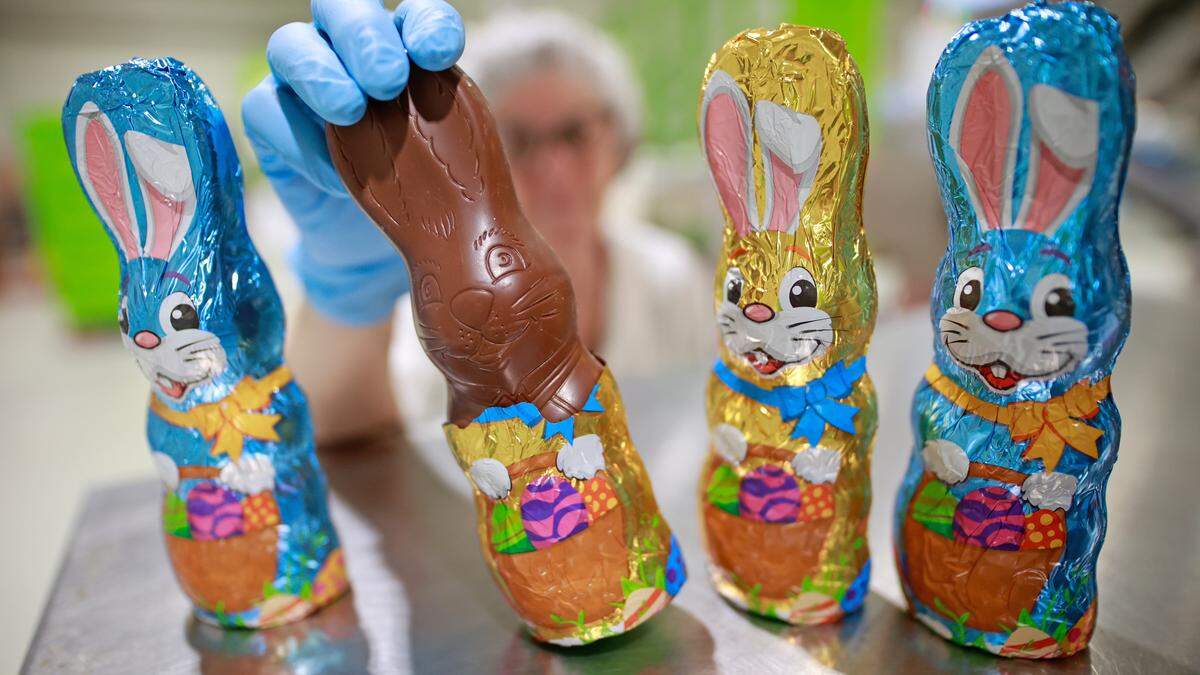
(990, 586)
(774, 556)
(582, 573)
(224, 574)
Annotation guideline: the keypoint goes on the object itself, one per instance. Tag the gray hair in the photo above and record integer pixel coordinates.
(515, 43)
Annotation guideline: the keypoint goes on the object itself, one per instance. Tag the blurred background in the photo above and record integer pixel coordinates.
(71, 400)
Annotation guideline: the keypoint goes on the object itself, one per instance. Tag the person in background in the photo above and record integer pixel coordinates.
(568, 110)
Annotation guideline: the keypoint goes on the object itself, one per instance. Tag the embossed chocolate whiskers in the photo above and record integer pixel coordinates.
(567, 518)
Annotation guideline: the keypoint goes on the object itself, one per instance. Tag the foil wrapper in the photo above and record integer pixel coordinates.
(785, 492)
(245, 518)
(574, 539)
(1001, 515)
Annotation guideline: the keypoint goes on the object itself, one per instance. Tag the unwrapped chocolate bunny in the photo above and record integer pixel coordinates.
(244, 509)
(567, 518)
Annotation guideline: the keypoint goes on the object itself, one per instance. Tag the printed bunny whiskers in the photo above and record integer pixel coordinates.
(791, 411)
(1001, 515)
(244, 513)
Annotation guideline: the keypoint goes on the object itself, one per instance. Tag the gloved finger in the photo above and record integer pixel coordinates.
(365, 39)
(432, 31)
(286, 138)
(301, 59)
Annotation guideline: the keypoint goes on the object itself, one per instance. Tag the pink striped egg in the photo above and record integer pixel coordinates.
(990, 517)
(769, 494)
(214, 512)
(551, 511)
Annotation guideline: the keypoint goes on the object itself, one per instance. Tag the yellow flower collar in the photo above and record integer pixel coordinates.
(1050, 426)
(227, 422)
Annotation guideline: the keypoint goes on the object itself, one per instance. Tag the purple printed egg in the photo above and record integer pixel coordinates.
(990, 517)
(769, 494)
(214, 512)
(551, 511)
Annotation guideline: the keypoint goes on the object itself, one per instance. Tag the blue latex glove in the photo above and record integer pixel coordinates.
(324, 72)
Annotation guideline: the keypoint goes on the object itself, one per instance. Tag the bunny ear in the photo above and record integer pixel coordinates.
(984, 134)
(165, 177)
(791, 147)
(1062, 158)
(725, 134)
(100, 162)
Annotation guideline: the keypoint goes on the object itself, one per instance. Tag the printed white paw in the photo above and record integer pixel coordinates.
(167, 471)
(946, 460)
(729, 442)
(581, 459)
(491, 477)
(817, 464)
(250, 474)
(1051, 490)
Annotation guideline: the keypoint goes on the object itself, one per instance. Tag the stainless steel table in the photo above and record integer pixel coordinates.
(424, 602)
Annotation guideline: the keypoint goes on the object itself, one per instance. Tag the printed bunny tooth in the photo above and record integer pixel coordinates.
(199, 314)
(791, 411)
(1030, 122)
(491, 477)
(530, 407)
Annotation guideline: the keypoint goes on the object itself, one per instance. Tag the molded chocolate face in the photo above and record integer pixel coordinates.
(494, 308)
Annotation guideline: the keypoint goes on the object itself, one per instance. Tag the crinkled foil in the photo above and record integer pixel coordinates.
(245, 518)
(1001, 515)
(611, 565)
(799, 552)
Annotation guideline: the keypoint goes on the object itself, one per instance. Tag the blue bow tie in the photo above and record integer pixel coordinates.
(811, 406)
(528, 413)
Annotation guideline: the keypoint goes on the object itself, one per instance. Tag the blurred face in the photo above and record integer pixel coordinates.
(564, 149)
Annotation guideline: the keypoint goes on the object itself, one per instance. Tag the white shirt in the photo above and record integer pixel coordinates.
(659, 319)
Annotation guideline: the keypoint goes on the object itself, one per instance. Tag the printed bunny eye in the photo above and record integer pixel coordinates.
(123, 316)
(430, 291)
(177, 313)
(797, 289)
(1053, 297)
(733, 285)
(503, 260)
(969, 290)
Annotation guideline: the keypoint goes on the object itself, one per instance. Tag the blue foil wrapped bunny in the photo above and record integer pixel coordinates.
(1002, 512)
(245, 516)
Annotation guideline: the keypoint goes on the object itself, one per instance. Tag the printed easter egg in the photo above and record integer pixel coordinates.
(769, 494)
(1045, 529)
(676, 572)
(817, 502)
(934, 508)
(508, 533)
(330, 581)
(175, 516)
(261, 511)
(1030, 643)
(811, 607)
(990, 517)
(551, 511)
(643, 604)
(599, 497)
(722, 490)
(214, 512)
(1081, 632)
(282, 608)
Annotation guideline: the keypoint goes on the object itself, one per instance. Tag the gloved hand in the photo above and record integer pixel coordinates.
(324, 71)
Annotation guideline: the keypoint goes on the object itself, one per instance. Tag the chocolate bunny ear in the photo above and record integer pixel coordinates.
(1065, 139)
(984, 133)
(728, 148)
(165, 178)
(100, 163)
(791, 150)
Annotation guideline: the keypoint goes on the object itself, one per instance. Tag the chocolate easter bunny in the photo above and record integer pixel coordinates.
(1001, 515)
(567, 518)
(791, 412)
(244, 511)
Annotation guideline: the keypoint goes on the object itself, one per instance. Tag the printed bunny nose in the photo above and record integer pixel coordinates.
(758, 312)
(146, 340)
(1002, 320)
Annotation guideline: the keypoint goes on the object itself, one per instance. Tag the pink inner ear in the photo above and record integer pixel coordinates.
(724, 135)
(166, 213)
(983, 141)
(1056, 182)
(101, 160)
(785, 194)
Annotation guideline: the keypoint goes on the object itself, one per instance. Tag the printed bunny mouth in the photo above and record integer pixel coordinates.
(173, 388)
(763, 362)
(999, 375)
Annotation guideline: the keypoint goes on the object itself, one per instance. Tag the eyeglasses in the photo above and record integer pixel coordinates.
(576, 134)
